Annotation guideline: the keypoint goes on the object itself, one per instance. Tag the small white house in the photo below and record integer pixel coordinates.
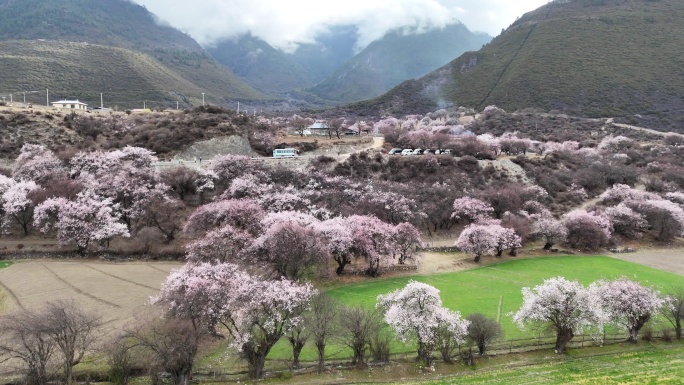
(70, 104)
(318, 128)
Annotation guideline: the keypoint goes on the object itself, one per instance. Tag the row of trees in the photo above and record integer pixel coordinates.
(621, 211)
(570, 308)
(204, 302)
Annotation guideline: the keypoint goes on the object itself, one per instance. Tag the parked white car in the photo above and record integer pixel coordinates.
(407, 151)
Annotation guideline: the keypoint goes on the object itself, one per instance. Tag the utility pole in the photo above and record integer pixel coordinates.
(202, 98)
(238, 107)
(176, 104)
(24, 97)
(47, 97)
(101, 101)
(11, 100)
(144, 104)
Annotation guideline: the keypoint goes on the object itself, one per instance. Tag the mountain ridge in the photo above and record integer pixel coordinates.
(594, 58)
(180, 69)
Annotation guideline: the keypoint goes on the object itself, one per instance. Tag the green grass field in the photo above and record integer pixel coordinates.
(4, 264)
(481, 290)
(651, 364)
(494, 290)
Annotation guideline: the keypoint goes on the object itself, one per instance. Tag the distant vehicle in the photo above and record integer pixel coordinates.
(407, 151)
(417, 151)
(285, 153)
(447, 151)
(427, 151)
(394, 151)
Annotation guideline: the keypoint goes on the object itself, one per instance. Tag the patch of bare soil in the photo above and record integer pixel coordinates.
(667, 259)
(116, 291)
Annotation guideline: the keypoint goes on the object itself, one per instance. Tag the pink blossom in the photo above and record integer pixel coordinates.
(477, 239)
(254, 313)
(242, 214)
(226, 244)
(88, 218)
(471, 209)
(35, 162)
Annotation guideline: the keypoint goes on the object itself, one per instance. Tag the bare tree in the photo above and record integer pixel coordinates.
(358, 327)
(120, 359)
(165, 215)
(321, 321)
(335, 127)
(299, 124)
(674, 310)
(24, 337)
(174, 343)
(72, 330)
(482, 331)
(297, 336)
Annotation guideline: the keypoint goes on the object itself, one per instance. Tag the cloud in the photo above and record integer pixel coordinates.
(285, 24)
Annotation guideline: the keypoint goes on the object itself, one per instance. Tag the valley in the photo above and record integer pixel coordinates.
(288, 198)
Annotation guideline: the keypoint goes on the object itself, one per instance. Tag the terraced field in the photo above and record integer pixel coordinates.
(114, 290)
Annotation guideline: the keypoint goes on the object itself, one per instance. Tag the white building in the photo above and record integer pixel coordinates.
(70, 104)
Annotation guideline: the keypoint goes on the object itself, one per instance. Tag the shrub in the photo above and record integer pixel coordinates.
(647, 334)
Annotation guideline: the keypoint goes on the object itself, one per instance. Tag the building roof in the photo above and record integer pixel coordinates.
(318, 125)
(69, 102)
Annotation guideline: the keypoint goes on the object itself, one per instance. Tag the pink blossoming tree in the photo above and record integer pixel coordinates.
(471, 209)
(88, 218)
(254, 313)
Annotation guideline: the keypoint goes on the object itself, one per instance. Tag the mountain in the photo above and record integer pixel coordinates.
(272, 70)
(80, 48)
(260, 65)
(329, 52)
(593, 58)
(400, 55)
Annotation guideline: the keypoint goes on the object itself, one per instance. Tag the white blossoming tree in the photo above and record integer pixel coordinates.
(567, 306)
(415, 312)
(628, 304)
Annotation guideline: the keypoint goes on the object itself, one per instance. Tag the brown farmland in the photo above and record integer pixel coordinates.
(116, 291)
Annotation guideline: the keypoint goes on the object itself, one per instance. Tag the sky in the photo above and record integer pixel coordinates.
(286, 23)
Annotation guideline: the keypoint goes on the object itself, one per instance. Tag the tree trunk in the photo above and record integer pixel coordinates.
(182, 376)
(296, 351)
(481, 345)
(320, 348)
(634, 329)
(548, 245)
(374, 267)
(678, 329)
(256, 365)
(499, 252)
(513, 252)
(563, 336)
(341, 263)
(477, 258)
(424, 353)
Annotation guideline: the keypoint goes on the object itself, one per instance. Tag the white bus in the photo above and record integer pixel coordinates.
(285, 153)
